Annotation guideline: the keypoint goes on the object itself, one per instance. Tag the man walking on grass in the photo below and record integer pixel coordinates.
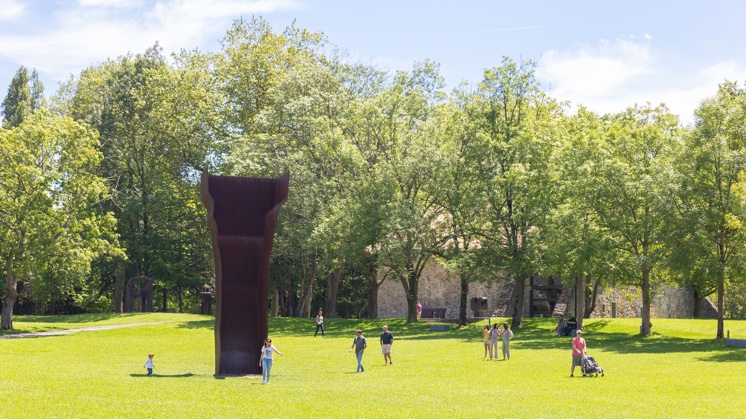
(387, 339)
(359, 346)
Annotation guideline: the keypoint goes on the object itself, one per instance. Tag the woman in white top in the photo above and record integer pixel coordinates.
(319, 324)
(265, 360)
(506, 334)
(494, 334)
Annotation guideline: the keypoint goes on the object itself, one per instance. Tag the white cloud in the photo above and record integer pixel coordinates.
(10, 9)
(110, 3)
(594, 72)
(99, 29)
(611, 76)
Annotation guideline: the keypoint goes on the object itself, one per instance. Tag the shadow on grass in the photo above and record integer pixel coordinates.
(77, 318)
(197, 324)
(145, 375)
(535, 334)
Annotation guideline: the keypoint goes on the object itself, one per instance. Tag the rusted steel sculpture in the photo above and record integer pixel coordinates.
(145, 294)
(242, 216)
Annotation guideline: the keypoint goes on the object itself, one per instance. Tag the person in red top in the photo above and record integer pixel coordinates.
(578, 351)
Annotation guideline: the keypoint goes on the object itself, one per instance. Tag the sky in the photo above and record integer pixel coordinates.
(605, 55)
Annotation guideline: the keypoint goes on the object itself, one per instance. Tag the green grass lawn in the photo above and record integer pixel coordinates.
(679, 371)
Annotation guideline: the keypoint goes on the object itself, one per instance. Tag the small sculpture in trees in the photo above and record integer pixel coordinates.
(242, 216)
(145, 294)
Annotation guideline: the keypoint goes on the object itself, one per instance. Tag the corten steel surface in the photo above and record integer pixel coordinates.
(145, 294)
(242, 216)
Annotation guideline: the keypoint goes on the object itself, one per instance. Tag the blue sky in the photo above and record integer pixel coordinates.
(604, 55)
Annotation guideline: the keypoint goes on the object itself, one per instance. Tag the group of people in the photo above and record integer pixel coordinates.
(490, 340)
(566, 327)
(359, 344)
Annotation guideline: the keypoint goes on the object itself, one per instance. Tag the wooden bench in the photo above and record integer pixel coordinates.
(433, 313)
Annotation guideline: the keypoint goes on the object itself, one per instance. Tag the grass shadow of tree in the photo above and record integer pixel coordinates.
(197, 324)
(78, 318)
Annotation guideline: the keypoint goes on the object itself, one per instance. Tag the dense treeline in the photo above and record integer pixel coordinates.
(389, 172)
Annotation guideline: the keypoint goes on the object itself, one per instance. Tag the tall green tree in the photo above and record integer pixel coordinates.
(25, 96)
(516, 127)
(49, 199)
(712, 209)
(456, 190)
(157, 123)
(628, 194)
(575, 244)
(400, 122)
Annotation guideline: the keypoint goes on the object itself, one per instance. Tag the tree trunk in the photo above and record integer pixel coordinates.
(590, 300)
(11, 294)
(180, 299)
(721, 291)
(645, 327)
(580, 289)
(413, 282)
(119, 286)
(373, 285)
(165, 300)
(306, 299)
(520, 292)
(375, 276)
(697, 302)
(464, 300)
(275, 302)
(332, 286)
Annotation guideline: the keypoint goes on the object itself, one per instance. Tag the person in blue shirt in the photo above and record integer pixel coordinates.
(359, 345)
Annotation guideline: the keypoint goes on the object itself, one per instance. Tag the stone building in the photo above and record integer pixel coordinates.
(438, 289)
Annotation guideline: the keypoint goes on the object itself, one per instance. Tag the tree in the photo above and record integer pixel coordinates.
(711, 192)
(516, 123)
(628, 192)
(456, 191)
(48, 203)
(575, 244)
(399, 124)
(25, 96)
(157, 124)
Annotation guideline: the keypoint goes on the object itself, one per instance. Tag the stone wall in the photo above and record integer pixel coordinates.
(667, 302)
(438, 289)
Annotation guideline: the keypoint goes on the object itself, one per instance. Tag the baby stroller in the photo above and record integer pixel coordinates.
(589, 367)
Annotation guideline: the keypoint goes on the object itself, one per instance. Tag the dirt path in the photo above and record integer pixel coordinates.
(70, 331)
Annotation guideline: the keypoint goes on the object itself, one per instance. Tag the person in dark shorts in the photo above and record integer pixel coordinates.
(578, 351)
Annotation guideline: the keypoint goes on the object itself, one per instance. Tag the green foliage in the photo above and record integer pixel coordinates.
(711, 198)
(157, 124)
(49, 198)
(25, 96)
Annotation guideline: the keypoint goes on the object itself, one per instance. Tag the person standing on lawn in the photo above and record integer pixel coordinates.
(149, 364)
(578, 351)
(506, 334)
(359, 345)
(387, 339)
(494, 334)
(486, 339)
(265, 360)
(319, 324)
